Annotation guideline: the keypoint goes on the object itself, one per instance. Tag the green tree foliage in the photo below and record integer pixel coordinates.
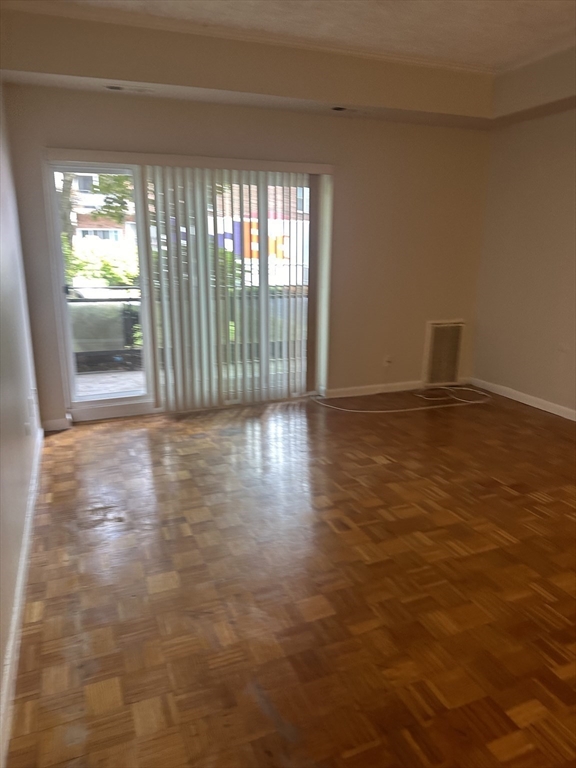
(117, 190)
(117, 267)
(72, 265)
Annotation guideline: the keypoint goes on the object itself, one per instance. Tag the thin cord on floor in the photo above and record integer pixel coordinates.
(451, 396)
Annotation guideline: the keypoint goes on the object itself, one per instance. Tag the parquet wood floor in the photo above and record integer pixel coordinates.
(293, 587)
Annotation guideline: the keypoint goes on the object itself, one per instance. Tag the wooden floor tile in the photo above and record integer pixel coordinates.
(104, 696)
(290, 587)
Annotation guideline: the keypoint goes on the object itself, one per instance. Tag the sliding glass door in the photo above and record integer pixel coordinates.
(230, 265)
(105, 306)
(185, 287)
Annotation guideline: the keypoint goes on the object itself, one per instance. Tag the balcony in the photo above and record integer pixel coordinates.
(107, 342)
(107, 337)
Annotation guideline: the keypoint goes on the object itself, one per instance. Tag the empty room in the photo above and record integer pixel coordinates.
(288, 384)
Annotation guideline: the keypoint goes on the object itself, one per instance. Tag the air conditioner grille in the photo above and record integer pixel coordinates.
(444, 353)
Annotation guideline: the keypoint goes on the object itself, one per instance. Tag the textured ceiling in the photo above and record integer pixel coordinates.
(483, 34)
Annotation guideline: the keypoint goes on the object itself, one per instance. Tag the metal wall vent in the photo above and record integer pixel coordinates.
(442, 353)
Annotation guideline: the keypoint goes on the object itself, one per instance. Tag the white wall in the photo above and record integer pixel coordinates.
(408, 207)
(526, 323)
(20, 437)
(541, 82)
(137, 53)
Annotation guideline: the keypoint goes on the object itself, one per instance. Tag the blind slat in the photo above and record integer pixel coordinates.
(195, 392)
(239, 179)
(164, 301)
(149, 201)
(181, 276)
(205, 327)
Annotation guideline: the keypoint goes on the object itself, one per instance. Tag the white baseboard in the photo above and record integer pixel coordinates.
(374, 389)
(521, 397)
(113, 411)
(56, 425)
(10, 661)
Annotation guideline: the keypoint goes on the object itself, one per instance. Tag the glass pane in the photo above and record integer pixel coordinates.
(99, 246)
(238, 233)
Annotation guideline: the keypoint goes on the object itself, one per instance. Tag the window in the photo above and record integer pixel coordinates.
(103, 234)
(85, 183)
(302, 200)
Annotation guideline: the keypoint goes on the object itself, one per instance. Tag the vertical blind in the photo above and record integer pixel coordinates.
(229, 269)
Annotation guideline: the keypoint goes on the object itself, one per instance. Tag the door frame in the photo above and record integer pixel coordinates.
(135, 162)
(109, 407)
